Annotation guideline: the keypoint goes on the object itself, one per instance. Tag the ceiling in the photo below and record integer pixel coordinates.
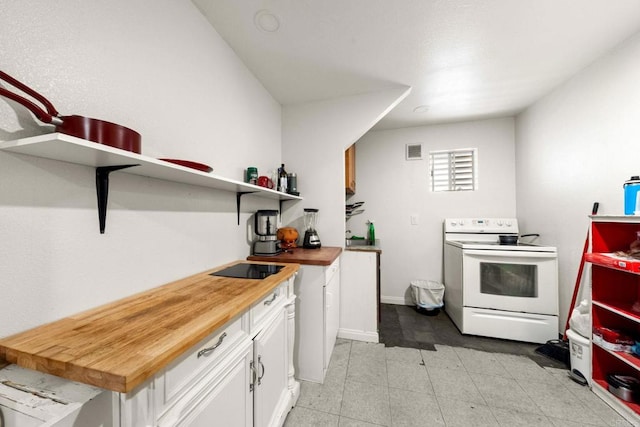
(463, 59)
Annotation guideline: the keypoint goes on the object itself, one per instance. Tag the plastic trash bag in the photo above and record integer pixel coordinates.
(427, 294)
(580, 321)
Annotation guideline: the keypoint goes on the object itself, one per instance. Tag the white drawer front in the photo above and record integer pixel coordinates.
(331, 270)
(189, 368)
(267, 305)
(221, 398)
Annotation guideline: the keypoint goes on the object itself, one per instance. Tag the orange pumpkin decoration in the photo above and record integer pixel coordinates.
(288, 237)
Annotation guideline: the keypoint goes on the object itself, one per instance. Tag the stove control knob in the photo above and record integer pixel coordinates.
(454, 223)
(461, 222)
(500, 223)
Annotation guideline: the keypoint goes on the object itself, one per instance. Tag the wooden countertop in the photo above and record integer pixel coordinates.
(121, 344)
(322, 256)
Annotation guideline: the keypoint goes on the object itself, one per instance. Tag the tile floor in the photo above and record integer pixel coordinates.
(372, 385)
(404, 326)
(428, 374)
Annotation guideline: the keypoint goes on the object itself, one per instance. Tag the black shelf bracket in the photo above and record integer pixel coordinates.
(239, 194)
(102, 190)
(281, 202)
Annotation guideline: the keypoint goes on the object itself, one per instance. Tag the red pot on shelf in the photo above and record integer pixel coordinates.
(98, 131)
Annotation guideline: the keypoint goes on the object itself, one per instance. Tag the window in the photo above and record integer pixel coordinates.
(453, 170)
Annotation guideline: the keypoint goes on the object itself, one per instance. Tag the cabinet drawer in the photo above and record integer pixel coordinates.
(267, 305)
(188, 369)
(331, 270)
(221, 398)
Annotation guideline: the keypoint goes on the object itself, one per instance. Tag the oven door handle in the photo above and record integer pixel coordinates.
(511, 254)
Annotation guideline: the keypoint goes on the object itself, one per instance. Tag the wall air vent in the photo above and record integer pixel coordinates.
(414, 151)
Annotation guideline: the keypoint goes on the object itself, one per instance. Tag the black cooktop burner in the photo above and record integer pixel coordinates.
(249, 271)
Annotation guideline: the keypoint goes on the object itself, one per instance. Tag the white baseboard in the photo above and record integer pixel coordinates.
(352, 334)
(393, 300)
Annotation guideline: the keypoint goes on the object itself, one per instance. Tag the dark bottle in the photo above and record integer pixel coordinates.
(282, 179)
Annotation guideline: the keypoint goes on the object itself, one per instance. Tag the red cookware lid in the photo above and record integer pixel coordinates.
(189, 164)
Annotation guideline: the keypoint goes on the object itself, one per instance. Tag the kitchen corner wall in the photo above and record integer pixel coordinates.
(577, 146)
(394, 189)
(314, 137)
(161, 69)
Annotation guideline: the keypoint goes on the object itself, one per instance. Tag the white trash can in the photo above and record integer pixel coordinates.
(427, 294)
(579, 355)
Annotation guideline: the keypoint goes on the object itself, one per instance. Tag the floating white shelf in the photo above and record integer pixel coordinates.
(58, 146)
(65, 148)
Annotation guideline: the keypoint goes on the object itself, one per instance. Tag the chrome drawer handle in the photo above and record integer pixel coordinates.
(262, 366)
(254, 376)
(273, 298)
(213, 347)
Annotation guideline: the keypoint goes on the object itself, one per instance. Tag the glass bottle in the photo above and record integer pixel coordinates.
(372, 233)
(282, 179)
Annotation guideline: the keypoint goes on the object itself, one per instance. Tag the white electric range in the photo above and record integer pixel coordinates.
(500, 291)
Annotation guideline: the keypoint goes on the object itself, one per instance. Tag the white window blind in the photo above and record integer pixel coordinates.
(453, 170)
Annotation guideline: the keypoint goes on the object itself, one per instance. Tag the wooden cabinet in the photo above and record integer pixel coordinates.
(318, 306)
(350, 170)
(359, 296)
(615, 293)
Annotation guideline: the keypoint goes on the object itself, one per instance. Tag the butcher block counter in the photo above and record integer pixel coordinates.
(321, 256)
(121, 344)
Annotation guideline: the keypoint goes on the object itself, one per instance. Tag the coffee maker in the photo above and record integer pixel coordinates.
(311, 238)
(265, 227)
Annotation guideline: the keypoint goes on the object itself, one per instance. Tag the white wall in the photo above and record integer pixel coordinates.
(159, 68)
(314, 137)
(577, 146)
(393, 189)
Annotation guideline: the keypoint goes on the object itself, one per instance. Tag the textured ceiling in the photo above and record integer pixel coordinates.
(464, 59)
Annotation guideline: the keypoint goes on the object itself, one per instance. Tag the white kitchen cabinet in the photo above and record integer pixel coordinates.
(240, 365)
(253, 391)
(359, 296)
(332, 310)
(228, 402)
(223, 396)
(202, 361)
(201, 378)
(318, 300)
(271, 365)
(239, 376)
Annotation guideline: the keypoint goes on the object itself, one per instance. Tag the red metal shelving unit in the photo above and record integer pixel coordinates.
(615, 288)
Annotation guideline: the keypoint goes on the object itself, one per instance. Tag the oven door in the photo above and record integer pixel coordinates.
(518, 281)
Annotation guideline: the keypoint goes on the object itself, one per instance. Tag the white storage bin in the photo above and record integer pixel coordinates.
(580, 355)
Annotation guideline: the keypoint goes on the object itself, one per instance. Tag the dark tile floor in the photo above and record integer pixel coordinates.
(405, 326)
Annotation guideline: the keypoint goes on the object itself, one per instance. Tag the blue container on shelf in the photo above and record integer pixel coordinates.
(631, 188)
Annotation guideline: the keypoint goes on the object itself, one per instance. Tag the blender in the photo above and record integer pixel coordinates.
(311, 239)
(265, 228)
